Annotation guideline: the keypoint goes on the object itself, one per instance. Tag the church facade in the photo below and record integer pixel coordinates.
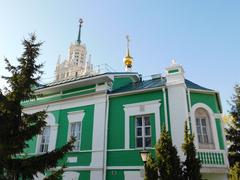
(115, 115)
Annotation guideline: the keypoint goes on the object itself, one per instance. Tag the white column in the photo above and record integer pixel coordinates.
(98, 139)
(177, 104)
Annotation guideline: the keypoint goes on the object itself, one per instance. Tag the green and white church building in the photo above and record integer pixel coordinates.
(115, 115)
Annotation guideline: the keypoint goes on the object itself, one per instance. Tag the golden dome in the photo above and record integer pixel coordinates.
(128, 60)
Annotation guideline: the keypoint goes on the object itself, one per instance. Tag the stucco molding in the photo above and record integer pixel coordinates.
(75, 116)
(142, 108)
(68, 103)
(212, 123)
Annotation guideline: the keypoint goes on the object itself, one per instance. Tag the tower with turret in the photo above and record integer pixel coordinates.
(76, 64)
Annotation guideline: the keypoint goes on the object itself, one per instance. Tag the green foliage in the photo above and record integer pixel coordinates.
(233, 130)
(234, 172)
(151, 170)
(192, 164)
(56, 175)
(168, 162)
(17, 127)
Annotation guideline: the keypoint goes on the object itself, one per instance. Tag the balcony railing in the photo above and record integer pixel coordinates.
(213, 158)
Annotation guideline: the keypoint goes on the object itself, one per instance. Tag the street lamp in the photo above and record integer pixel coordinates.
(144, 155)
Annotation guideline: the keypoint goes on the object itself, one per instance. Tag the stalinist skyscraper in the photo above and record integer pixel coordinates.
(76, 64)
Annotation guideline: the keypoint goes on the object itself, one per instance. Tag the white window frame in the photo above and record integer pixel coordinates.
(143, 136)
(204, 127)
(142, 108)
(212, 123)
(77, 140)
(75, 117)
(50, 120)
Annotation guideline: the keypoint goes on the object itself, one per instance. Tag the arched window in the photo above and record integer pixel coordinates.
(204, 130)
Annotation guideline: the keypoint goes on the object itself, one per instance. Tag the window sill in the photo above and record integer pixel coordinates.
(206, 146)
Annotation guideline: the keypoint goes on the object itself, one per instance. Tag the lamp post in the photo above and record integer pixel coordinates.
(144, 154)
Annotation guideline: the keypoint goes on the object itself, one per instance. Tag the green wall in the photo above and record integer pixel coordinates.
(126, 157)
(84, 158)
(115, 175)
(208, 99)
(220, 134)
(84, 175)
(116, 115)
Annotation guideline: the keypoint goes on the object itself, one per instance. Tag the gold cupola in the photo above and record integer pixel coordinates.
(128, 60)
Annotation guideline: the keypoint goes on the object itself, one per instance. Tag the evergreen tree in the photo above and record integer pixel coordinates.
(17, 127)
(192, 164)
(151, 170)
(233, 130)
(168, 162)
(234, 172)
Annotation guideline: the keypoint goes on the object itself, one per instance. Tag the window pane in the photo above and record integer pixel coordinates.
(139, 142)
(204, 129)
(206, 139)
(139, 121)
(76, 145)
(46, 148)
(72, 128)
(199, 131)
(76, 132)
(198, 122)
(203, 122)
(43, 139)
(41, 148)
(139, 131)
(147, 120)
(200, 140)
(147, 131)
(78, 126)
(143, 131)
(148, 142)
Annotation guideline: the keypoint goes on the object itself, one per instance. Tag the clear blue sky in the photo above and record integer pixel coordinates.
(203, 36)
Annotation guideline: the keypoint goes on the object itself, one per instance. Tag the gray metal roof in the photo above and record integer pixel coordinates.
(154, 83)
(55, 83)
(192, 85)
(140, 85)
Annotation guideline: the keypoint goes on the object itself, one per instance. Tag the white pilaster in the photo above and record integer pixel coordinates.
(177, 103)
(98, 139)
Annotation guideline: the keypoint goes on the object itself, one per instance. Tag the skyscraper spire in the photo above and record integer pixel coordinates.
(79, 31)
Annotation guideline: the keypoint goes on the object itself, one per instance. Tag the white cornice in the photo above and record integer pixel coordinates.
(75, 84)
(135, 92)
(143, 103)
(202, 91)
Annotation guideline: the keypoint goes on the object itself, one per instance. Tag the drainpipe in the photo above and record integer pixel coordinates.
(189, 110)
(105, 138)
(165, 108)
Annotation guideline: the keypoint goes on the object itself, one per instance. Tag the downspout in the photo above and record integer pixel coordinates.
(105, 138)
(189, 110)
(165, 108)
